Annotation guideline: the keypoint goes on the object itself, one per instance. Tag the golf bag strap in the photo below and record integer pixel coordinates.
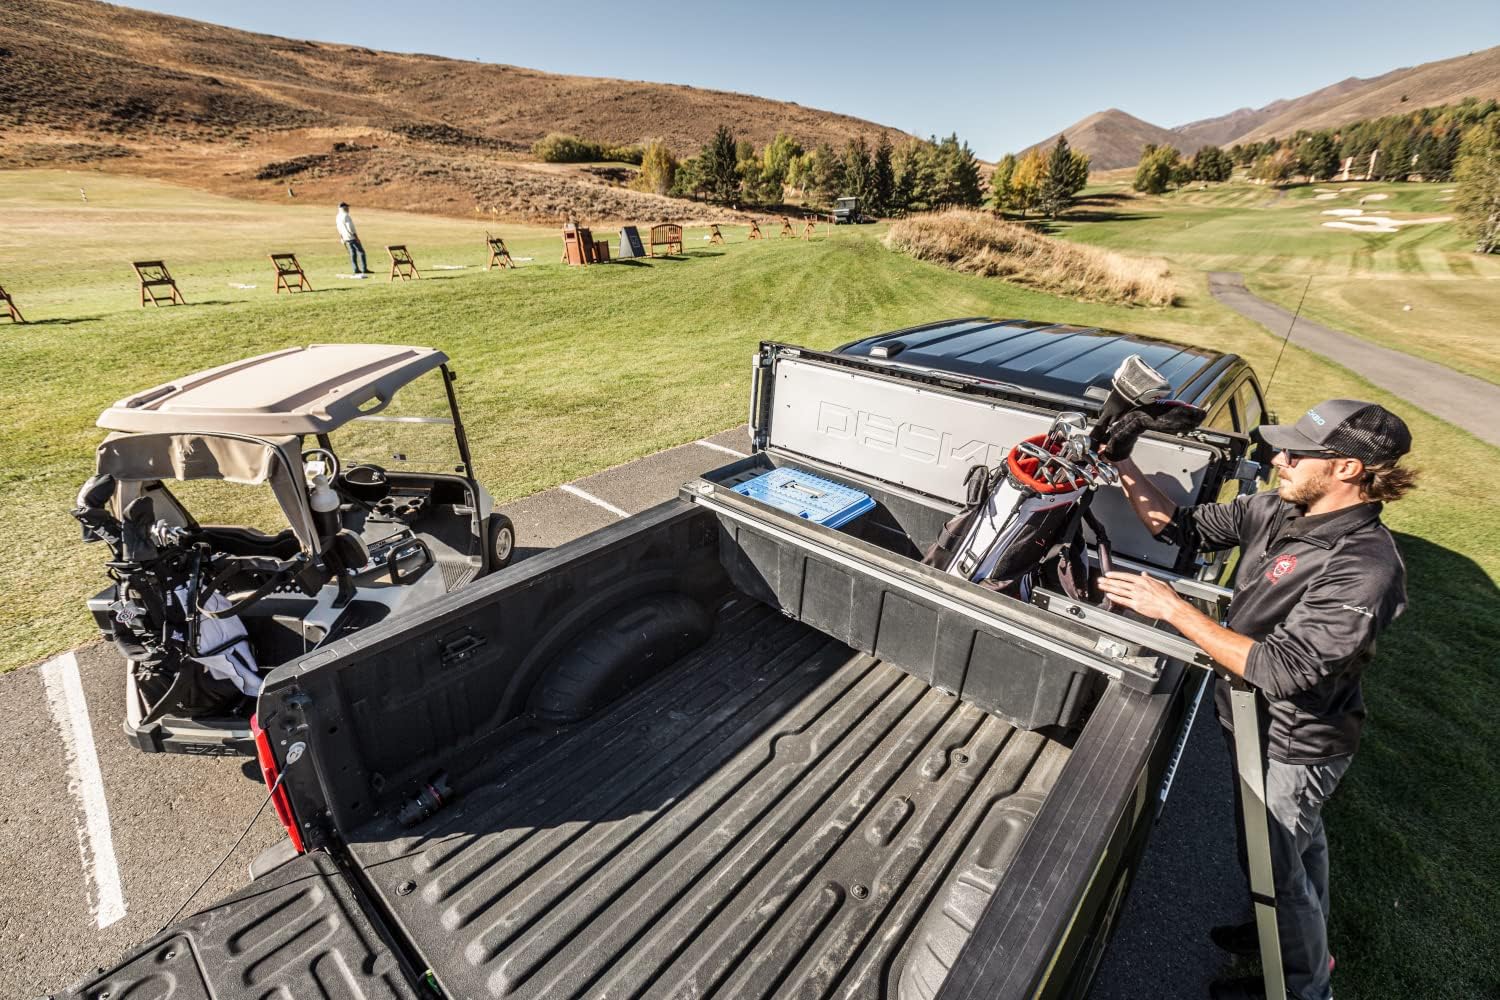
(979, 482)
(1072, 566)
(1104, 548)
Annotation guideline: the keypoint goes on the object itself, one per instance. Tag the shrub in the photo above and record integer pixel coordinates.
(978, 243)
(556, 147)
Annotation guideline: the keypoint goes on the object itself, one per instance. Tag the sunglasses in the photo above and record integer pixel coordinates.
(1293, 457)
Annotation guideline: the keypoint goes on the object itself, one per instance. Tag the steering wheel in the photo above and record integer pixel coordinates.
(329, 459)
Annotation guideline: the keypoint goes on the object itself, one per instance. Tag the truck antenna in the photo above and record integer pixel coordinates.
(1271, 381)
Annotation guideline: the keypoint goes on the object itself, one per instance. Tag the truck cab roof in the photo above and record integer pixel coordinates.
(1054, 359)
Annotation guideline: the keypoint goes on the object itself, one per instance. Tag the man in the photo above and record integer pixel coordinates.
(350, 237)
(1318, 578)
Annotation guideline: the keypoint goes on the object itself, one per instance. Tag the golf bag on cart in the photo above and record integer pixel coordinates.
(1022, 522)
(189, 651)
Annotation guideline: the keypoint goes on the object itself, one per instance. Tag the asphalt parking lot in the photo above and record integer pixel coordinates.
(100, 844)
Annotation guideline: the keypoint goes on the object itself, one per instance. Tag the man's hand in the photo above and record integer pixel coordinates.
(1156, 599)
(1144, 594)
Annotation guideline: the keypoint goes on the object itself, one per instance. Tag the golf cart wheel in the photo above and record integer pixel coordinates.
(502, 541)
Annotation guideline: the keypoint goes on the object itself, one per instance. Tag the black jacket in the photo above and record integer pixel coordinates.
(1312, 592)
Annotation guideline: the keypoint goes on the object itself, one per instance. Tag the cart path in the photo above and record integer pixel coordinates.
(1464, 401)
(172, 817)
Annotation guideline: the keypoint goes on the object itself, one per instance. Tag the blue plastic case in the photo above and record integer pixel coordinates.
(806, 495)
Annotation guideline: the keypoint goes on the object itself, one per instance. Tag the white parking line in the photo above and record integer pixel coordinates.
(570, 488)
(720, 447)
(95, 842)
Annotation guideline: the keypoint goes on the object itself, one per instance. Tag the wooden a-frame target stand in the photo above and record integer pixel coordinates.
(10, 307)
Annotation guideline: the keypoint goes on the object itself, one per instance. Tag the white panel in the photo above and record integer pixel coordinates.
(927, 440)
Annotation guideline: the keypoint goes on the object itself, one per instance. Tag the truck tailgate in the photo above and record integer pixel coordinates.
(774, 816)
(297, 932)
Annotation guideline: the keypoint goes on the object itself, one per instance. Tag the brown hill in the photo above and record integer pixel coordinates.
(1114, 139)
(87, 82)
(1425, 86)
(1111, 138)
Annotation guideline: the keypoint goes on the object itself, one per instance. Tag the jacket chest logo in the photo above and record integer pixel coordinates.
(1282, 565)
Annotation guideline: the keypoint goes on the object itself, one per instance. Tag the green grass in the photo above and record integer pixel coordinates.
(568, 371)
(1449, 321)
(1360, 281)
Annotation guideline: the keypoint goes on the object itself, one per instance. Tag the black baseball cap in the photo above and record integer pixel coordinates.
(1348, 427)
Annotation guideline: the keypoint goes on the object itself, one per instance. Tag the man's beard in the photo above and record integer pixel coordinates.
(1309, 491)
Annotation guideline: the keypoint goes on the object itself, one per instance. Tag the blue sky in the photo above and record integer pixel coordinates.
(1002, 75)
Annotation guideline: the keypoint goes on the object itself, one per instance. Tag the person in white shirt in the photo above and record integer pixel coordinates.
(350, 237)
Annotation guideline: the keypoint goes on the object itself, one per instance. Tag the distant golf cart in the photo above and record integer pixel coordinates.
(846, 212)
(367, 506)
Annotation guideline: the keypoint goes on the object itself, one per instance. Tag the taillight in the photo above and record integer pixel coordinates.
(268, 770)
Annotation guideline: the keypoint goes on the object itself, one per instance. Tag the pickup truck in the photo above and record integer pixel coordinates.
(717, 750)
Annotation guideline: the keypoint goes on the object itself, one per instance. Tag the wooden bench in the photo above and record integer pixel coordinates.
(786, 226)
(402, 266)
(754, 231)
(667, 235)
(154, 275)
(714, 236)
(288, 269)
(499, 256)
(10, 307)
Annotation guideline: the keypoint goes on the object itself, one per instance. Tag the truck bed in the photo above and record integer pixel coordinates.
(773, 816)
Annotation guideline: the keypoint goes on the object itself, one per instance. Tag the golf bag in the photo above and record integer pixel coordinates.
(1023, 521)
(188, 655)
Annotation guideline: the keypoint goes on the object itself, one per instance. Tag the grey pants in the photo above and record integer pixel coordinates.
(1295, 794)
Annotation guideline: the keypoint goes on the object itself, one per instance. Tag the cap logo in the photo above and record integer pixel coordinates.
(1316, 417)
(1283, 565)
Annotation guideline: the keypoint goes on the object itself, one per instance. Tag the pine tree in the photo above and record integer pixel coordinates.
(1057, 185)
(1002, 192)
(721, 167)
(884, 179)
(959, 180)
(859, 171)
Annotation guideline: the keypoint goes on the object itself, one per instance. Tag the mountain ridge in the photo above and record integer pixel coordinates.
(1443, 81)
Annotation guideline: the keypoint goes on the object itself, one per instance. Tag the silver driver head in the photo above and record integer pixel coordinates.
(1139, 382)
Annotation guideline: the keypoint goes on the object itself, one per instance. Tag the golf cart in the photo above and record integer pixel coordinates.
(366, 506)
(846, 212)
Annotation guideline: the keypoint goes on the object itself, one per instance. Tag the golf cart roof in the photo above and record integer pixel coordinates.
(300, 390)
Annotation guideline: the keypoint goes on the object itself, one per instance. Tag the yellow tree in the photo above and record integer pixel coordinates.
(1026, 182)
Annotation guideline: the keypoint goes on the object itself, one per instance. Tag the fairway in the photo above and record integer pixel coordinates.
(1360, 282)
(566, 371)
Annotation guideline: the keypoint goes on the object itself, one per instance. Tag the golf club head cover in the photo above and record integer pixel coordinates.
(1166, 416)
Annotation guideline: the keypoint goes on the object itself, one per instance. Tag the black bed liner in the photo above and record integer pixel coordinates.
(771, 817)
(298, 932)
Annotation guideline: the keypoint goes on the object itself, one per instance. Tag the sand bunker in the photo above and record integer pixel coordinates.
(1361, 223)
(1326, 196)
(1347, 190)
(1375, 197)
(1343, 211)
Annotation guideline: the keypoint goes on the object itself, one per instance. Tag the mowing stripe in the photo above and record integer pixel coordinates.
(570, 488)
(720, 447)
(95, 842)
